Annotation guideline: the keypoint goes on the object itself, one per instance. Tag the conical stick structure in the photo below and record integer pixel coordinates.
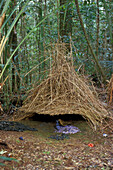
(64, 92)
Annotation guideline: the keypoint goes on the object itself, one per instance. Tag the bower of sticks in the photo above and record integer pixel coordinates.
(63, 92)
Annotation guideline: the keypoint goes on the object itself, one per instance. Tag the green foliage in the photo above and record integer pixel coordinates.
(36, 26)
(9, 31)
(7, 159)
(1, 164)
(5, 6)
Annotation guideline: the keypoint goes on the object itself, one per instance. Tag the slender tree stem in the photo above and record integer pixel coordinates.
(88, 42)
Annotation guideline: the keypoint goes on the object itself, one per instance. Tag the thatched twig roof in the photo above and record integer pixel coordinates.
(64, 92)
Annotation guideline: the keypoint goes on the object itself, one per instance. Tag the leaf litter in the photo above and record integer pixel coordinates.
(37, 151)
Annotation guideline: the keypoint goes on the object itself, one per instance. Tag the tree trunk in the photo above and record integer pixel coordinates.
(97, 21)
(89, 44)
(65, 22)
(41, 37)
(15, 77)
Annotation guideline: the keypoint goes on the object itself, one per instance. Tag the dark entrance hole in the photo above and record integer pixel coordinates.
(48, 118)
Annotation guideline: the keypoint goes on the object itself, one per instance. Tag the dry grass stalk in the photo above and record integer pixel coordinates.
(110, 90)
(2, 20)
(63, 92)
(2, 41)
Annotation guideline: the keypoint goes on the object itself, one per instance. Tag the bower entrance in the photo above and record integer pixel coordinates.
(49, 118)
(63, 92)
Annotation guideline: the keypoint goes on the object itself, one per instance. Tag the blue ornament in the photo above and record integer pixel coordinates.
(21, 138)
(57, 125)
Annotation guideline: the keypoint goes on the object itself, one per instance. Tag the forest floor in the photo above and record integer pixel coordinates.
(38, 152)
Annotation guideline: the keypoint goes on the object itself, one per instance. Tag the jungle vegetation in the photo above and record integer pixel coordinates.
(28, 28)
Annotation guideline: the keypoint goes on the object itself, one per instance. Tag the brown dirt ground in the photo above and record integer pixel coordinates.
(38, 152)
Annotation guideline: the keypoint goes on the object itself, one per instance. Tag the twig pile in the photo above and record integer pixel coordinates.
(64, 92)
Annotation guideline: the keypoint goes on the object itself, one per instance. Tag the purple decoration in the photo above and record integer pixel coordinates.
(66, 129)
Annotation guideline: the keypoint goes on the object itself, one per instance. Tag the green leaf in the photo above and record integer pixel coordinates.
(46, 152)
(1, 164)
(1, 3)
(8, 159)
(6, 6)
(5, 22)
(2, 65)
